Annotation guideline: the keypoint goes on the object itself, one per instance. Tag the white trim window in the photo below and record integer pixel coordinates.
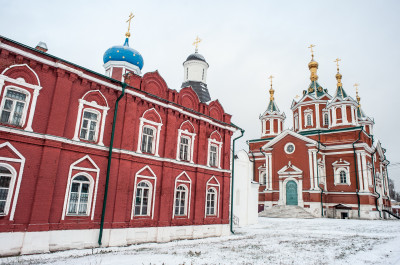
(214, 150)
(185, 145)
(14, 106)
(309, 120)
(262, 177)
(341, 171)
(181, 197)
(143, 198)
(149, 132)
(213, 155)
(144, 193)
(211, 202)
(308, 117)
(79, 196)
(212, 198)
(326, 119)
(148, 136)
(296, 121)
(90, 125)
(6, 181)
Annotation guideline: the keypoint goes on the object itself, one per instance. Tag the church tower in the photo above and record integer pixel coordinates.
(195, 74)
(310, 112)
(342, 108)
(272, 120)
(120, 60)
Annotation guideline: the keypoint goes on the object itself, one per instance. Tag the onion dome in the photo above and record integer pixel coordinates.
(196, 57)
(124, 53)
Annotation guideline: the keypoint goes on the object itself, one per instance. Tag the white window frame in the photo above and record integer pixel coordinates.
(90, 195)
(149, 198)
(213, 183)
(308, 112)
(149, 178)
(96, 131)
(182, 151)
(13, 175)
(326, 118)
(213, 142)
(287, 145)
(12, 112)
(211, 198)
(146, 122)
(154, 135)
(93, 174)
(83, 105)
(180, 189)
(183, 180)
(296, 121)
(18, 84)
(191, 136)
(338, 166)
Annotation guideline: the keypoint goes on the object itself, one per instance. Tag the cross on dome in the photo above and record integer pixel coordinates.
(196, 43)
(337, 63)
(312, 52)
(271, 91)
(131, 16)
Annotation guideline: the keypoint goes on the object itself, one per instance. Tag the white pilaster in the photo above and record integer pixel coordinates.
(300, 122)
(270, 170)
(103, 124)
(353, 120)
(32, 111)
(360, 179)
(271, 126)
(315, 168)
(280, 192)
(279, 126)
(364, 170)
(344, 115)
(140, 136)
(318, 123)
(311, 170)
(78, 121)
(334, 118)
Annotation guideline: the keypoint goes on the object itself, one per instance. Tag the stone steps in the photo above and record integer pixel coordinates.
(286, 211)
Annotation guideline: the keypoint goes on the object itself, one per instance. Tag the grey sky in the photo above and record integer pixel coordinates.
(243, 41)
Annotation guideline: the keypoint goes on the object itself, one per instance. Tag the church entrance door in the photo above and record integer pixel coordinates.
(291, 193)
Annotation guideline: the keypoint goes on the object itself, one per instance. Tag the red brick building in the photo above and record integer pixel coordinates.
(170, 164)
(330, 164)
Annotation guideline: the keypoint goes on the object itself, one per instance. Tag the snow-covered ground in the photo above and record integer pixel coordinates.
(272, 241)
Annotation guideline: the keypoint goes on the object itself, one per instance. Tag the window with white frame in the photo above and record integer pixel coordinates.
(211, 201)
(296, 122)
(326, 119)
(184, 148)
(263, 178)
(89, 127)
(181, 200)
(5, 182)
(343, 178)
(147, 139)
(143, 199)
(213, 155)
(79, 196)
(13, 109)
(309, 120)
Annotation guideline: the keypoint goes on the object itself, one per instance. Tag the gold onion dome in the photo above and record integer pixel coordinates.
(312, 64)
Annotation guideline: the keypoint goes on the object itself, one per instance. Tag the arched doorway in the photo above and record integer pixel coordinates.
(291, 193)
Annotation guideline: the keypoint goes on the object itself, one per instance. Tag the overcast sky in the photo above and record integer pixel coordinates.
(243, 41)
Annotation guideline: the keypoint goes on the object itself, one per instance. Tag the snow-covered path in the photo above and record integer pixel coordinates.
(272, 241)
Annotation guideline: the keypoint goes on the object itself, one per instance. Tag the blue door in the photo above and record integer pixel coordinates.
(291, 193)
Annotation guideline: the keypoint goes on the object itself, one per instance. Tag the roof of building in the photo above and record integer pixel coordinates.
(196, 56)
(200, 88)
(124, 53)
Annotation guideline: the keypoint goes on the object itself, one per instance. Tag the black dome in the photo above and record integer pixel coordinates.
(196, 56)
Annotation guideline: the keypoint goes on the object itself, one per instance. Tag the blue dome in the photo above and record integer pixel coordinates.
(124, 53)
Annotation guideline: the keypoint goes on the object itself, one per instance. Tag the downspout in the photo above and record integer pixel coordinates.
(110, 150)
(373, 172)
(254, 164)
(356, 167)
(233, 177)
(322, 190)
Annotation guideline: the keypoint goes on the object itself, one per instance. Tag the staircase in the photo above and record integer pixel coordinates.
(286, 211)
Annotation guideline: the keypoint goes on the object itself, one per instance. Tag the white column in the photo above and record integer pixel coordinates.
(315, 167)
(103, 123)
(318, 123)
(344, 114)
(219, 155)
(311, 170)
(270, 170)
(353, 120)
(78, 121)
(279, 127)
(360, 179)
(300, 122)
(267, 172)
(32, 111)
(177, 146)
(263, 127)
(334, 118)
(271, 126)
(280, 192)
(364, 170)
(191, 148)
(300, 191)
(140, 136)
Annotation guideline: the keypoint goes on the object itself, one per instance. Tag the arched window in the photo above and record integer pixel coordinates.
(213, 155)
(180, 201)
(309, 120)
(79, 196)
(211, 199)
(263, 178)
(326, 119)
(143, 199)
(147, 139)
(343, 178)
(90, 126)
(13, 108)
(5, 181)
(184, 148)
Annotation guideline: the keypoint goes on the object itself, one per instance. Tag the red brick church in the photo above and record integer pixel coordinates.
(329, 163)
(69, 180)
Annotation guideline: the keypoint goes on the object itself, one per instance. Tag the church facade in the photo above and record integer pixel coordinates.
(166, 177)
(330, 163)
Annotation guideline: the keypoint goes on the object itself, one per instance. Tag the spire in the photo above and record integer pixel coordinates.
(313, 65)
(271, 105)
(271, 91)
(357, 97)
(196, 43)
(339, 91)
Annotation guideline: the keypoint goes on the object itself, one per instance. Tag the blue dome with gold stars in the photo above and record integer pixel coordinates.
(124, 53)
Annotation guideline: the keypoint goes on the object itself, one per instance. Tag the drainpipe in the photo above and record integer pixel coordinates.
(373, 172)
(254, 164)
(110, 150)
(356, 167)
(322, 190)
(233, 176)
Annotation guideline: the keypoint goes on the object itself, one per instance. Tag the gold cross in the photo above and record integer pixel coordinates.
(196, 42)
(356, 86)
(270, 78)
(337, 63)
(312, 52)
(131, 16)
